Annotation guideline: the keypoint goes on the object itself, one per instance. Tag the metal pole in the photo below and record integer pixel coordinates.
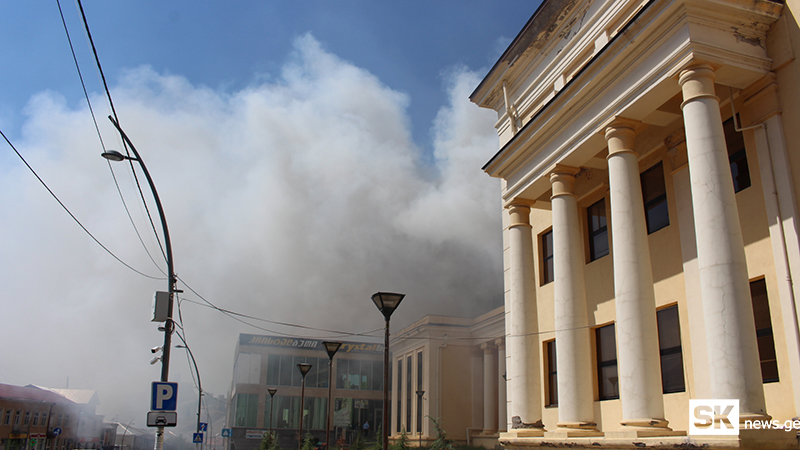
(330, 406)
(386, 388)
(171, 279)
(302, 400)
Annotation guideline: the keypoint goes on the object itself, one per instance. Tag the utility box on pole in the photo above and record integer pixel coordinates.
(160, 306)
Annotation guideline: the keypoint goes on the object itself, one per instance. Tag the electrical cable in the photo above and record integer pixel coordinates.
(70, 212)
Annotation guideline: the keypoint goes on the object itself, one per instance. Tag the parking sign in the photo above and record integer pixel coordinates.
(165, 396)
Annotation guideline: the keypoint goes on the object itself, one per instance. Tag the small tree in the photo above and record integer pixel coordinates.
(402, 443)
(358, 443)
(441, 442)
(269, 441)
(378, 444)
(308, 443)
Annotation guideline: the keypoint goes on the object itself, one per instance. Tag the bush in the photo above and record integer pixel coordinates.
(269, 441)
(402, 443)
(441, 442)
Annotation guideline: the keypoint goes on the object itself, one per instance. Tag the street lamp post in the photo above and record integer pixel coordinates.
(113, 155)
(331, 348)
(386, 302)
(420, 393)
(272, 392)
(199, 385)
(303, 368)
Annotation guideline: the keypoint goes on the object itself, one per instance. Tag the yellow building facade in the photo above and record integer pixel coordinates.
(649, 158)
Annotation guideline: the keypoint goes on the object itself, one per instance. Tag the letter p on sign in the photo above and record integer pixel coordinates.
(165, 396)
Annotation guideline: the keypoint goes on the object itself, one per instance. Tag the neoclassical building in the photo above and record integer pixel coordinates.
(648, 157)
(451, 369)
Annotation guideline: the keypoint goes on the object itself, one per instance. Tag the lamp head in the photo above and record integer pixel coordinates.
(272, 392)
(304, 368)
(387, 302)
(331, 348)
(113, 155)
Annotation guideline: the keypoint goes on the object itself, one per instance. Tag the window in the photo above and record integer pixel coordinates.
(737, 156)
(44, 419)
(288, 412)
(66, 420)
(17, 417)
(669, 343)
(359, 374)
(598, 230)
(246, 410)
(607, 380)
(27, 418)
(550, 370)
(36, 419)
(399, 393)
(547, 257)
(766, 342)
(654, 192)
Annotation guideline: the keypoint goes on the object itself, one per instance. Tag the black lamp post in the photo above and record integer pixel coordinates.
(303, 368)
(420, 393)
(114, 155)
(331, 348)
(272, 392)
(386, 302)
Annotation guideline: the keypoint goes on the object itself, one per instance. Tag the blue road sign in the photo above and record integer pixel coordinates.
(226, 432)
(165, 396)
(197, 438)
(56, 431)
(203, 426)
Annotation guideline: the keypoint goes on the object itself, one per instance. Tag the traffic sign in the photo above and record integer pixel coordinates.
(56, 431)
(226, 432)
(203, 426)
(33, 442)
(162, 419)
(197, 438)
(165, 396)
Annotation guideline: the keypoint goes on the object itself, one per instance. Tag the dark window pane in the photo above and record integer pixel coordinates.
(286, 370)
(607, 379)
(764, 336)
(552, 374)
(273, 370)
(654, 193)
(547, 257)
(598, 231)
(669, 341)
(737, 156)
(399, 401)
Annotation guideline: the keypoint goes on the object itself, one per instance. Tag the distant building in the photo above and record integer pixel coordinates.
(129, 437)
(37, 418)
(648, 163)
(460, 365)
(264, 362)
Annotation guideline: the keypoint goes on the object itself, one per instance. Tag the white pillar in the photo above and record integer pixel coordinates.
(575, 378)
(489, 388)
(522, 343)
(502, 410)
(635, 301)
(734, 366)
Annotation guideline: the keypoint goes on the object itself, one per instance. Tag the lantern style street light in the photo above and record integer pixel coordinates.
(331, 348)
(420, 393)
(386, 302)
(113, 155)
(303, 368)
(272, 392)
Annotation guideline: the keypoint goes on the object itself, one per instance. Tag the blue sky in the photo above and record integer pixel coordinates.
(308, 154)
(230, 45)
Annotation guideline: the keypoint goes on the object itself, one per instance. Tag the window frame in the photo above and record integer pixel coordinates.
(606, 363)
(545, 244)
(657, 200)
(764, 335)
(594, 234)
(551, 373)
(666, 352)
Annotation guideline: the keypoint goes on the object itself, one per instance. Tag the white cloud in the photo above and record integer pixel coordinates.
(292, 200)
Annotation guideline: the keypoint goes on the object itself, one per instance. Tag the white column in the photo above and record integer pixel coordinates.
(575, 378)
(637, 330)
(734, 366)
(522, 343)
(489, 388)
(502, 410)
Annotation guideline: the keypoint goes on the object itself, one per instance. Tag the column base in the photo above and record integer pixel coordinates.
(566, 430)
(522, 433)
(636, 428)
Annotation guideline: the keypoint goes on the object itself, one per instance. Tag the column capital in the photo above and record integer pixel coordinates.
(488, 348)
(500, 343)
(620, 135)
(562, 179)
(519, 212)
(697, 81)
